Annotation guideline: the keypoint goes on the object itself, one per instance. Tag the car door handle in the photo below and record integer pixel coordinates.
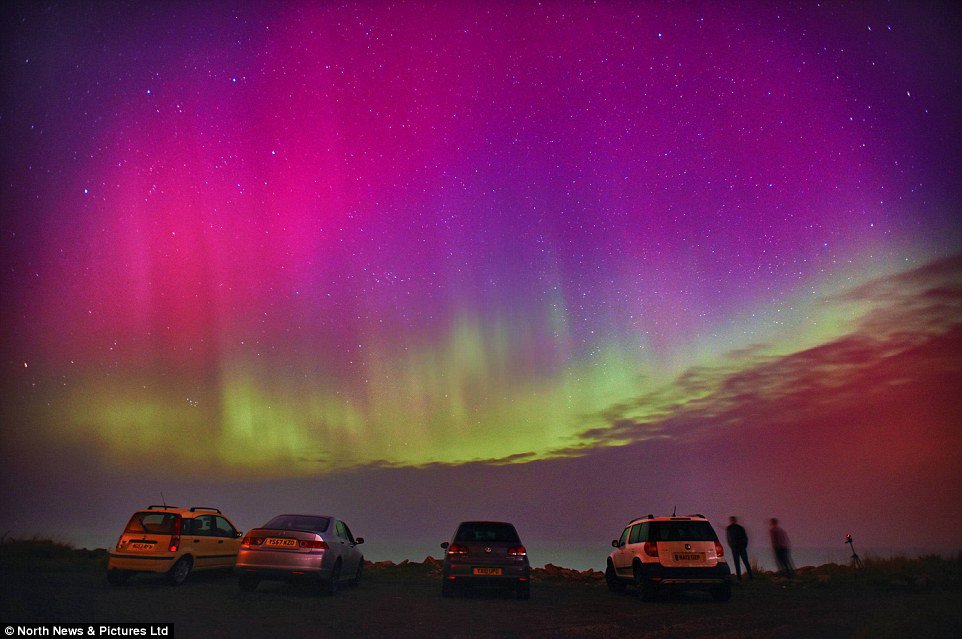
(221, 541)
(197, 541)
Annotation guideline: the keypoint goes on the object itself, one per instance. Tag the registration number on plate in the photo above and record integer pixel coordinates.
(495, 572)
(688, 556)
(283, 543)
(137, 545)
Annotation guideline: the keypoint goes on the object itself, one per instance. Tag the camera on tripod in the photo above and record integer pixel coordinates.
(856, 560)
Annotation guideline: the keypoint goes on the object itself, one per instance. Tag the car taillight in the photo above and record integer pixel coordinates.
(457, 549)
(719, 551)
(517, 551)
(318, 544)
(251, 541)
(651, 549)
(175, 537)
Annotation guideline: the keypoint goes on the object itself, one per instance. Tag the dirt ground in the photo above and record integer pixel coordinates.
(211, 606)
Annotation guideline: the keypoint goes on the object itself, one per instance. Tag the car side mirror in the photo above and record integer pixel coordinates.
(358, 541)
(238, 533)
(445, 545)
(614, 543)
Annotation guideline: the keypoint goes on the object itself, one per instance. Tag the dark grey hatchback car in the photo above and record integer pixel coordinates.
(486, 554)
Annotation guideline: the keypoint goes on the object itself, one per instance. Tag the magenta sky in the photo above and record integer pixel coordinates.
(615, 256)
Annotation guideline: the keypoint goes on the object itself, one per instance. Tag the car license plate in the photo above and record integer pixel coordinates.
(139, 545)
(491, 572)
(281, 543)
(688, 556)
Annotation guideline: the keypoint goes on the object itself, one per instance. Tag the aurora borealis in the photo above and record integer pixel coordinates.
(315, 240)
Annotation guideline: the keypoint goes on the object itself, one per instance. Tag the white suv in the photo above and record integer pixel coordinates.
(669, 552)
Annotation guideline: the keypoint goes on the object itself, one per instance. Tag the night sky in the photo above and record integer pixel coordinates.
(561, 264)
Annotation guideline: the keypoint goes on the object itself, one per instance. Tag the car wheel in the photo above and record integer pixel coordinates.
(330, 587)
(646, 588)
(447, 589)
(178, 573)
(118, 577)
(357, 575)
(248, 583)
(611, 578)
(722, 593)
(524, 590)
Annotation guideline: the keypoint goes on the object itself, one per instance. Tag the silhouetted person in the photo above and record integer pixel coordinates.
(780, 546)
(738, 542)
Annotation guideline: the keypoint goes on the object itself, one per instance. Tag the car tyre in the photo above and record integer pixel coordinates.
(331, 585)
(179, 571)
(248, 583)
(611, 579)
(646, 588)
(647, 591)
(117, 577)
(524, 590)
(354, 583)
(722, 592)
(447, 589)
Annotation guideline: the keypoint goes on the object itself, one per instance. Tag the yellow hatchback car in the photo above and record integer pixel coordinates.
(174, 541)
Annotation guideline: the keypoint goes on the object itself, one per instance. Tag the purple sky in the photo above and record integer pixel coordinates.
(421, 263)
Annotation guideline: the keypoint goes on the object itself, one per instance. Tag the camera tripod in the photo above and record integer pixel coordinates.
(856, 561)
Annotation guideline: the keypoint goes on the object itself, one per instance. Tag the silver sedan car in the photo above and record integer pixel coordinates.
(320, 548)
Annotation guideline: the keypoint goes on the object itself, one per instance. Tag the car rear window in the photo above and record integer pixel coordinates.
(299, 522)
(487, 532)
(152, 523)
(681, 531)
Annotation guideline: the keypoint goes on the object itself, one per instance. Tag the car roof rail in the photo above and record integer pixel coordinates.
(160, 506)
(697, 515)
(196, 508)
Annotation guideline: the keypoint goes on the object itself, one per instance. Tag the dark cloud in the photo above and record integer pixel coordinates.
(908, 313)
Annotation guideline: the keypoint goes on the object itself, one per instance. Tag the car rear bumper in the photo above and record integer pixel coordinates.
(465, 575)
(472, 581)
(690, 577)
(282, 574)
(272, 564)
(140, 563)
